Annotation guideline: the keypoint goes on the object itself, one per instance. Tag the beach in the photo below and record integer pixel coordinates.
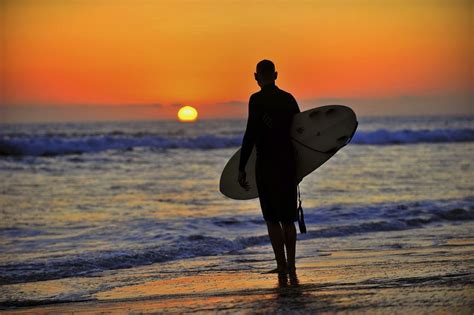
(127, 218)
(425, 277)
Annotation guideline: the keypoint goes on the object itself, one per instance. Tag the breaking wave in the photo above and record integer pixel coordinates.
(197, 245)
(65, 145)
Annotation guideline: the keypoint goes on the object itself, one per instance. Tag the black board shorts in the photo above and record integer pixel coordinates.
(276, 185)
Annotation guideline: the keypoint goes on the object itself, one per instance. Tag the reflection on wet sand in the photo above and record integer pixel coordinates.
(289, 291)
(429, 276)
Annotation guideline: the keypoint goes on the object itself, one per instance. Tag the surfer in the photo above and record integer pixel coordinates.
(269, 121)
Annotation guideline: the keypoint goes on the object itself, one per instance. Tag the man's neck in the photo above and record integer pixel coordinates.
(268, 85)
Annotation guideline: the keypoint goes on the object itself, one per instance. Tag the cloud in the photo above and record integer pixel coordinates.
(153, 105)
(446, 104)
(233, 103)
(47, 113)
(127, 105)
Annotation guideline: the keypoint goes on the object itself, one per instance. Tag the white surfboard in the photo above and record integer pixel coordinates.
(317, 135)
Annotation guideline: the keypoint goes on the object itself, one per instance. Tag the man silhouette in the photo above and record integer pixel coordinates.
(271, 113)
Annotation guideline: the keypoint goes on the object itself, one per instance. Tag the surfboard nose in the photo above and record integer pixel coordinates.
(330, 111)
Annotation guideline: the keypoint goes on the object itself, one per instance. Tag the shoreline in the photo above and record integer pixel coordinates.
(433, 278)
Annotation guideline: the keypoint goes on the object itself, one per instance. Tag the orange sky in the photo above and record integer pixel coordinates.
(137, 59)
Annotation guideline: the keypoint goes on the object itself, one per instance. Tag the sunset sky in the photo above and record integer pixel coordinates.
(143, 59)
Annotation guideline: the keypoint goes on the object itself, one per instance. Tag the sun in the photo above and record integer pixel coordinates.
(187, 114)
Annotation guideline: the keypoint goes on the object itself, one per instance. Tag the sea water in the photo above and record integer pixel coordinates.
(81, 199)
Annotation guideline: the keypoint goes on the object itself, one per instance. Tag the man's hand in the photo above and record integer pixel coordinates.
(243, 180)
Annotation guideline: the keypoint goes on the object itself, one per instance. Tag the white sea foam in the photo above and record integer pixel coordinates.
(63, 145)
(372, 218)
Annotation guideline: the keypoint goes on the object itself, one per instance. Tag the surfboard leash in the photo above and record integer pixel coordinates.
(301, 223)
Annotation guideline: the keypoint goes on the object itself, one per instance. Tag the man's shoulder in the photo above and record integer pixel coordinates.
(259, 93)
(285, 93)
(255, 95)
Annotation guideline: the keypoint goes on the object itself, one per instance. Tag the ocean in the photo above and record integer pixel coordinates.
(93, 201)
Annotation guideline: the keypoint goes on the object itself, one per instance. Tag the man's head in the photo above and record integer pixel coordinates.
(266, 73)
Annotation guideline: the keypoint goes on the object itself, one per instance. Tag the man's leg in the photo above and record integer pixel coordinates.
(289, 234)
(277, 239)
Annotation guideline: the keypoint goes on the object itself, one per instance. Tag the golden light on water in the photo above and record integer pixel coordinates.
(187, 114)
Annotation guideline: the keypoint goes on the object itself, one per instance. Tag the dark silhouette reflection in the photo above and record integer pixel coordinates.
(271, 112)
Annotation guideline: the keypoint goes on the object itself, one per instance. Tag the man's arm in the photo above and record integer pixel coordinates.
(247, 143)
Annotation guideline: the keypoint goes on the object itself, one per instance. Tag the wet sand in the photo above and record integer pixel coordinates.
(430, 278)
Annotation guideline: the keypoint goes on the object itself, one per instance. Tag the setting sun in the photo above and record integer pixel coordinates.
(187, 113)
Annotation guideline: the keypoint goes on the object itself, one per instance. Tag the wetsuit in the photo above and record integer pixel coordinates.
(271, 113)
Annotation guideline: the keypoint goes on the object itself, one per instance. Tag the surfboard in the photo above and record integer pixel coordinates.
(317, 135)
